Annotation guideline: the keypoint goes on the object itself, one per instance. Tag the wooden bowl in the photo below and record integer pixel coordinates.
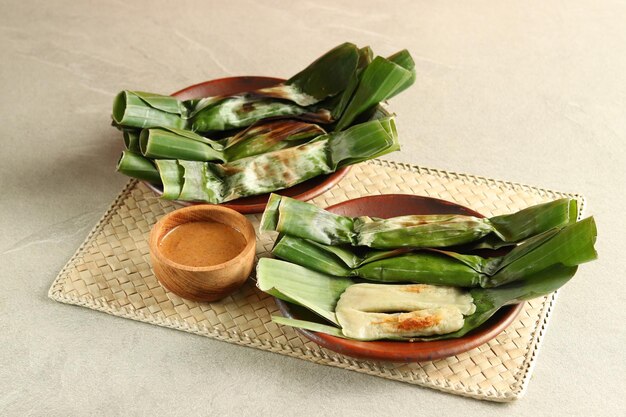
(205, 283)
(386, 206)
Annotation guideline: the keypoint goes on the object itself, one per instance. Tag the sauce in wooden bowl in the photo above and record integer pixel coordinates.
(202, 243)
(202, 252)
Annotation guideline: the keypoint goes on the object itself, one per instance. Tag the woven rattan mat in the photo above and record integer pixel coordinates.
(111, 272)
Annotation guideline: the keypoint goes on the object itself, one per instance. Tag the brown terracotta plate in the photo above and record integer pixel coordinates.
(255, 204)
(392, 205)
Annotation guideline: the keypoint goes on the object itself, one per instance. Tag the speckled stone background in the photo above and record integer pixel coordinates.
(532, 92)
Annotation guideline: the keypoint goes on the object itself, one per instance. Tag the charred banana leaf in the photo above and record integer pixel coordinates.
(259, 174)
(270, 136)
(570, 245)
(242, 111)
(381, 311)
(339, 86)
(327, 76)
(414, 231)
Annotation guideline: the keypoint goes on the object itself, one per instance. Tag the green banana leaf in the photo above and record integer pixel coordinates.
(330, 75)
(380, 80)
(404, 59)
(188, 134)
(349, 256)
(327, 76)
(311, 255)
(425, 267)
(171, 176)
(134, 165)
(345, 150)
(201, 182)
(535, 219)
(343, 82)
(138, 109)
(415, 231)
(179, 144)
(569, 245)
(365, 58)
(300, 219)
(131, 139)
(259, 174)
(295, 284)
(315, 292)
(244, 110)
(270, 136)
(489, 301)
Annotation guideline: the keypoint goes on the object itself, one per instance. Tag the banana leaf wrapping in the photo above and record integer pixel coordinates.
(268, 137)
(366, 55)
(170, 143)
(339, 86)
(171, 177)
(322, 293)
(271, 171)
(137, 109)
(134, 165)
(131, 139)
(380, 80)
(327, 76)
(300, 219)
(338, 91)
(438, 267)
(245, 110)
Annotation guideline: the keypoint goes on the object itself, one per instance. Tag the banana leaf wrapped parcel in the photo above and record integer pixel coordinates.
(438, 267)
(269, 136)
(191, 180)
(172, 143)
(337, 87)
(168, 143)
(300, 219)
(366, 311)
(292, 130)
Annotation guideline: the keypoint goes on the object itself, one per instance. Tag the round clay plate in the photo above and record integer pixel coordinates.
(392, 205)
(255, 204)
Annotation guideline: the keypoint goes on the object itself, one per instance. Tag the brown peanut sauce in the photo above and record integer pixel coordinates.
(202, 243)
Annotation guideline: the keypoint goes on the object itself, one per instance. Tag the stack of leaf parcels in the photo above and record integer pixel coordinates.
(353, 272)
(321, 119)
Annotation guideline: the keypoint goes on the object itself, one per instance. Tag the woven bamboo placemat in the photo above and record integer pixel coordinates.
(111, 272)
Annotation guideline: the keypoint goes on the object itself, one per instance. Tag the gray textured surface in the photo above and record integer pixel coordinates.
(526, 91)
